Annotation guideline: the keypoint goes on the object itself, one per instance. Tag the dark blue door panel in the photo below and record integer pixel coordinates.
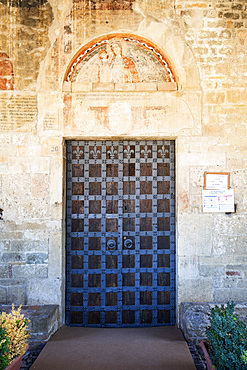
(120, 233)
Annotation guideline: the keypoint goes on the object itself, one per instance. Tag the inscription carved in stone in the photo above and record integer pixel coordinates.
(50, 121)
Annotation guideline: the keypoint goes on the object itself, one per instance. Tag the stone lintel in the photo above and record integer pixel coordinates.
(167, 86)
(103, 86)
(146, 86)
(125, 87)
(110, 86)
(82, 86)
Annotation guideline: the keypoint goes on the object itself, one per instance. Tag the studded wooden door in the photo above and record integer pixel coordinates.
(120, 233)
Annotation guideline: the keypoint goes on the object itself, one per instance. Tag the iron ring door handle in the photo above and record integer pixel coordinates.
(128, 243)
(111, 245)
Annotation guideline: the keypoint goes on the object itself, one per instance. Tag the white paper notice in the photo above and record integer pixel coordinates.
(216, 181)
(218, 200)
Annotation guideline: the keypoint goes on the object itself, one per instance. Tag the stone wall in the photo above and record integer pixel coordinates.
(206, 43)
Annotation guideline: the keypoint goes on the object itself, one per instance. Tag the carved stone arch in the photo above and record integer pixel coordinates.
(142, 61)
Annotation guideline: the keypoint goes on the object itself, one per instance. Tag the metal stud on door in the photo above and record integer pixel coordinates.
(120, 233)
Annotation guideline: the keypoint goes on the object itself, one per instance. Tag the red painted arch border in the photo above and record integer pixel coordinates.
(102, 40)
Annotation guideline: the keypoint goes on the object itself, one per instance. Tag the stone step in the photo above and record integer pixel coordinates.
(194, 319)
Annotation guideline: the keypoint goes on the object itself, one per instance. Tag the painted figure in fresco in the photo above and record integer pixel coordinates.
(115, 66)
(6, 72)
(104, 70)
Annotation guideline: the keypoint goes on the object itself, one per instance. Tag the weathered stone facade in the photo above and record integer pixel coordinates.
(204, 43)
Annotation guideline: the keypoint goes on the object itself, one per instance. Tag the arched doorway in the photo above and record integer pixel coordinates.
(120, 192)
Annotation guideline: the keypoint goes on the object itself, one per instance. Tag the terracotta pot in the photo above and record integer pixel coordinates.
(209, 363)
(16, 363)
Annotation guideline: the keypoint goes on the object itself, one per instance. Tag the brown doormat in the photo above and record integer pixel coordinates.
(74, 348)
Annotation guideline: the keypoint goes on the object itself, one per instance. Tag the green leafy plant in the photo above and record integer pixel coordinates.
(244, 357)
(4, 349)
(227, 338)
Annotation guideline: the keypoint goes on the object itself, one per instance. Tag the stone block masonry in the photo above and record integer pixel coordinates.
(185, 67)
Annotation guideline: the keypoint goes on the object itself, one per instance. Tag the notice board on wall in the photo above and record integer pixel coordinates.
(217, 195)
(218, 200)
(216, 180)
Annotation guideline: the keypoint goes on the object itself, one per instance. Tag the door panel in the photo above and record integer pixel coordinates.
(120, 233)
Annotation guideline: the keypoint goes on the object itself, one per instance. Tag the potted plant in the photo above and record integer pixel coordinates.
(226, 340)
(14, 338)
(4, 350)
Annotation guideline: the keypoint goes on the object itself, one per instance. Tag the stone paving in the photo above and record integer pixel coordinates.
(44, 323)
(31, 356)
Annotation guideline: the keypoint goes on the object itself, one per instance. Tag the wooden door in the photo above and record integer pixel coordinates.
(120, 233)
